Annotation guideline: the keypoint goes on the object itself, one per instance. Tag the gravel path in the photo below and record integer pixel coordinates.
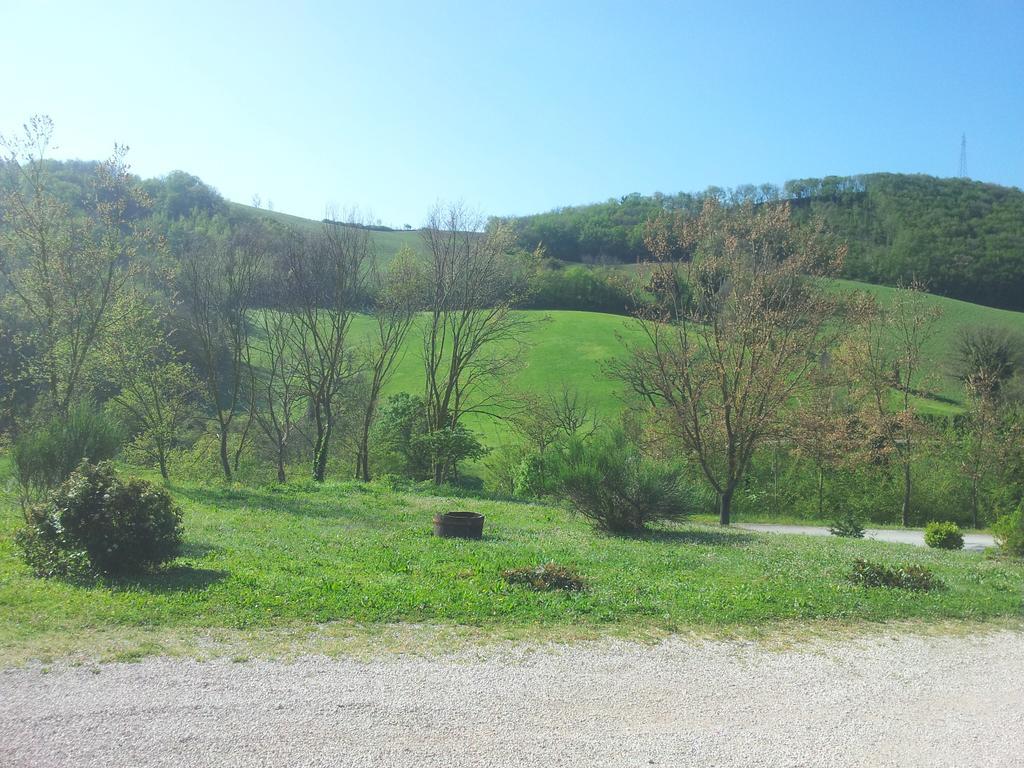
(911, 701)
(973, 542)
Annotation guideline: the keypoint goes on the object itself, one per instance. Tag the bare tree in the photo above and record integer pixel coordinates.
(326, 279)
(471, 335)
(397, 296)
(980, 436)
(892, 358)
(721, 362)
(275, 381)
(218, 286)
(67, 268)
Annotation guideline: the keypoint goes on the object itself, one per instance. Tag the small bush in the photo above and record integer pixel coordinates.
(45, 455)
(545, 578)
(608, 480)
(848, 525)
(913, 577)
(98, 524)
(1008, 531)
(943, 536)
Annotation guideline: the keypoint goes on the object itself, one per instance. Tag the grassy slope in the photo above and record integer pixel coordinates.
(955, 315)
(387, 243)
(574, 347)
(569, 347)
(297, 556)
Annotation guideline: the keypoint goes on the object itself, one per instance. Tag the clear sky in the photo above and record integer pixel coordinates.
(518, 107)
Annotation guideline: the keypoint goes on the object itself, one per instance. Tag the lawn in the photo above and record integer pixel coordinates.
(299, 557)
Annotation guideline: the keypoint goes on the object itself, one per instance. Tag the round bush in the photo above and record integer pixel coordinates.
(97, 523)
(1009, 532)
(943, 536)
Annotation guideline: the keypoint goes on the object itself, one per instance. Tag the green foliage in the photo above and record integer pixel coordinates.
(849, 525)
(943, 535)
(1009, 532)
(118, 526)
(608, 480)
(917, 578)
(591, 289)
(45, 455)
(898, 227)
(546, 577)
(409, 448)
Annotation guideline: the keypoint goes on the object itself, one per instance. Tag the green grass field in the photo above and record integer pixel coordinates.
(299, 557)
(559, 347)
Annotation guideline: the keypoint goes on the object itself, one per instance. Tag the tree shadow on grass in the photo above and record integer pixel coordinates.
(177, 578)
(303, 504)
(707, 537)
(199, 549)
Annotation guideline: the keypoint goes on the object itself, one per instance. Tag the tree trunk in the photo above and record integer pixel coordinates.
(323, 439)
(281, 478)
(225, 461)
(821, 492)
(906, 494)
(363, 454)
(162, 459)
(725, 506)
(974, 502)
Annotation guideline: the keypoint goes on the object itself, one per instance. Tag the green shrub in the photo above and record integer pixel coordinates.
(1009, 532)
(44, 456)
(545, 578)
(848, 525)
(97, 523)
(608, 480)
(943, 536)
(912, 577)
(410, 449)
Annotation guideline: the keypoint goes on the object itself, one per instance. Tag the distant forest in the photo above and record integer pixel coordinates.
(962, 238)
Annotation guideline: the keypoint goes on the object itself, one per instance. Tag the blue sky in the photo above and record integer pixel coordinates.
(519, 107)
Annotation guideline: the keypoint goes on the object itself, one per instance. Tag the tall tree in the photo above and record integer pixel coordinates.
(326, 279)
(156, 390)
(720, 365)
(218, 282)
(471, 335)
(398, 293)
(276, 381)
(893, 344)
(67, 268)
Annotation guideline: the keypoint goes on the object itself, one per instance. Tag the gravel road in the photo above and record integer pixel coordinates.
(973, 542)
(908, 701)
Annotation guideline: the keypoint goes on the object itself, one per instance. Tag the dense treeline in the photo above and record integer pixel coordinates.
(961, 238)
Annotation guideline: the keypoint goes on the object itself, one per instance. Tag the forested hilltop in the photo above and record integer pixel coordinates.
(963, 238)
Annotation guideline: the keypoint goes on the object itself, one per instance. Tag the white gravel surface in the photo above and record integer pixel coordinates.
(973, 542)
(909, 701)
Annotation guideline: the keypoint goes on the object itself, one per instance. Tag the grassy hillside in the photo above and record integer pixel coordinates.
(955, 316)
(559, 347)
(387, 243)
(574, 348)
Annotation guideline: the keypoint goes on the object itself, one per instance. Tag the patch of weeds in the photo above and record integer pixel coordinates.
(546, 577)
(918, 578)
